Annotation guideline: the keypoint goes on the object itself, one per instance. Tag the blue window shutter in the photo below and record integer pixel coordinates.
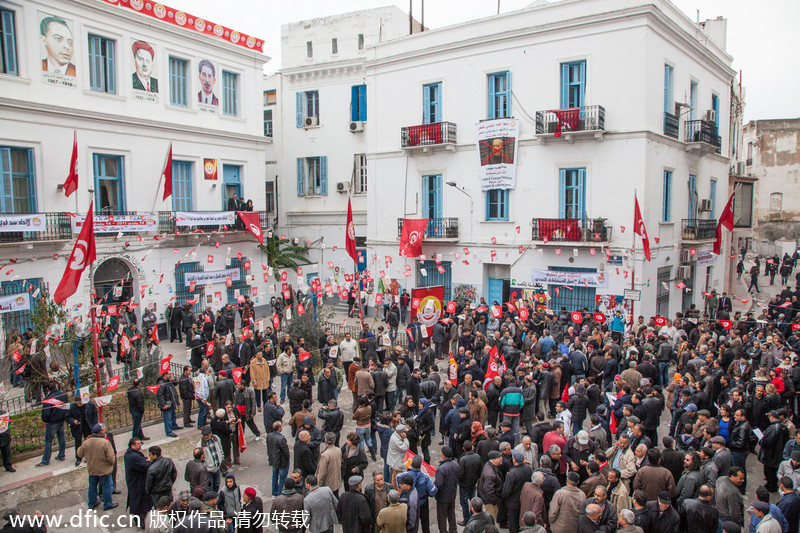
(438, 90)
(581, 193)
(488, 201)
(354, 103)
(490, 109)
(667, 88)
(111, 85)
(582, 92)
(95, 82)
(562, 193)
(299, 97)
(426, 104)
(6, 200)
(9, 42)
(505, 194)
(564, 85)
(32, 182)
(426, 195)
(437, 184)
(323, 180)
(713, 194)
(301, 176)
(715, 107)
(362, 102)
(508, 94)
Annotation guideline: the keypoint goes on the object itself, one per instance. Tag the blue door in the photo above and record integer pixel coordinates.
(495, 291)
(231, 183)
(432, 103)
(432, 204)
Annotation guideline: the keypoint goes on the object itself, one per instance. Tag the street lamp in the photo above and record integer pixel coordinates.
(461, 189)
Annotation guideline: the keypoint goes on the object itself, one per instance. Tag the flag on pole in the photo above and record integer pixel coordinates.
(71, 183)
(154, 334)
(725, 220)
(113, 383)
(167, 174)
(350, 236)
(639, 229)
(252, 224)
(83, 254)
(242, 443)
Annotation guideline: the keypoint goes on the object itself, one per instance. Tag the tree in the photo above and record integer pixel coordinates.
(281, 254)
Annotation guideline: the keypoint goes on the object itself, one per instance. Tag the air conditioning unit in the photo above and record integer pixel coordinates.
(342, 187)
(711, 116)
(684, 272)
(356, 126)
(705, 205)
(312, 121)
(741, 168)
(686, 257)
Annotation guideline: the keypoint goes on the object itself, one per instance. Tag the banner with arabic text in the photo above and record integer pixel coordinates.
(597, 280)
(11, 223)
(14, 302)
(497, 150)
(118, 223)
(211, 276)
(208, 218)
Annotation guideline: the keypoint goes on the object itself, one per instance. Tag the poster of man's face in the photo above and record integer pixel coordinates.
(497, 151)
(207, 73)
(144, 62)
(58, 45)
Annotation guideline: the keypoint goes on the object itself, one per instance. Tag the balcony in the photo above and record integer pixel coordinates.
(38, 227)
(748, 162)
(589, 120)
(438, 228)
(698, 229)
(425, 136)
(570, 230)
(670, 125)
(203, 222)
(702, 135)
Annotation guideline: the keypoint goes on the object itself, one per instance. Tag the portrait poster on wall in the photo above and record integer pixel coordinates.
(57, 50)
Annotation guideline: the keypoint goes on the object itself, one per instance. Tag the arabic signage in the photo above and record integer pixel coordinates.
(211, 276)
(598, 280)
(118, 223)
(209, 218)
(497, 151)
(10, 223)
(14, 302)
(706, 257)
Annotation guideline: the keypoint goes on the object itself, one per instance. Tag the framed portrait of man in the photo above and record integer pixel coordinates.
(143, 80)
(207, 74)
(57, 50)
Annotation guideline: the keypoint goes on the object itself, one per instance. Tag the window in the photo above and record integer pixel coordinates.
(713, 197)
(715, 107)
(572, 193)
(230, 93)
(8, 43)
(270, 197)
(312, 176)
(432, 103)
(268, 123)
(743, 205)
(181, 186)
(666, 201)
(109, 184)
(178, 88)
(360, 171)
(360, 41)
(270, 97)
(309, 49)
(662, 293)
(497, 204)
(693, 101)
(358, 103)
(307, 107)
(102, 73)
(432, 202)
(231, 184)
(668, 76)
(573, 84)
(334, 45)
(692, 196)
(499, 92)
(750, 152)
(17, 181)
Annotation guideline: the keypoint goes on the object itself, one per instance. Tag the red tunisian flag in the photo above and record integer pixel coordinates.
(83, 254)
(726, 220)
(491, 373)
(71, 183)
(167, 174)
(252, 224)
(639, 229)
(453, 371)
(350, 234)
(411, 236)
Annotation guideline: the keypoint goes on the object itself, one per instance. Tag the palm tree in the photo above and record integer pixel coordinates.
(281, 254)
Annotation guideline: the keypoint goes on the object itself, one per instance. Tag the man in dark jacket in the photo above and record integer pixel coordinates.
(446, 482)
(161, 474)
(54, 418)
(519, 474)
(469, 472)
(326, 386)
(478, 519)
(136, 409)
(663, 518)
(288, 503)
(168, 403)
(278, 456)
(224, 390)
(136, 467)
(699, 514)
(195, 472)
(333, 419)
(353, 509)
(81, 419)
(273, 411)
(304, 457)
(490, 485)
(253, 507)
(186, 393)
(771, 454)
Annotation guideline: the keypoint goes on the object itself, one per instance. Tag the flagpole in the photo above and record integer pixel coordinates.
(93, 315)
(161, 178)
(633, 253)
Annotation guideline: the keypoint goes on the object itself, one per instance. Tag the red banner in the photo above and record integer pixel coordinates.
(411, 236)
(429, 309)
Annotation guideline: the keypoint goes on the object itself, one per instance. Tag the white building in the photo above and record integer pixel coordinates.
(652, 90)
(128, 80)
(322, 126)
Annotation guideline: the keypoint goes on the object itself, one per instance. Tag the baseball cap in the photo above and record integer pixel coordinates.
(582, 437)
(692, 408)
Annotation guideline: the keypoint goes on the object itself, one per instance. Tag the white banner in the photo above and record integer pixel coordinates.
(211, 276)
(211, 218)
(706, 257)
(597, 280)
(9, 223)
(497, 153)
(118, 223)
(14, 302)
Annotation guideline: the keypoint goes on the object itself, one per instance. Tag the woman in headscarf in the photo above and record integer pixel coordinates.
(478, 434)
(426, 425)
